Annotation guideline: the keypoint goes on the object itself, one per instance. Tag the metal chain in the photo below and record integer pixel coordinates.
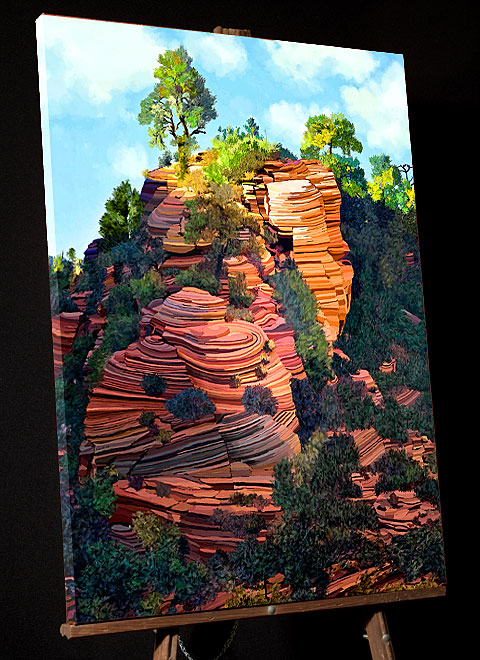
(224, 647)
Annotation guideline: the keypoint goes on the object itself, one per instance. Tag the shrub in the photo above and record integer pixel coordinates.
(242, 314)
(397, 472)
(153, 384)
(418, 552)
(392, 420)
(199, 278)
(163, 436)
(260, 400)
(121, 301)
(149, 287)
(191, 403)
(238, 294)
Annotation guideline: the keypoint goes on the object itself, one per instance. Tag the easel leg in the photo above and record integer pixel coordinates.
(166, 641)
(379, 638)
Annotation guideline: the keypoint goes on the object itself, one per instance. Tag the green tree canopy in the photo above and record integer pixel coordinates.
(123, 211)
(238, 151)
(325, 133)
(179, 106)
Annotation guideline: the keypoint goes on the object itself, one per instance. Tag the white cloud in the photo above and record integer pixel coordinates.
(97, 59)
(286, 122)
(221, 54)
(129, 161)
(308, 63)
(382, 106)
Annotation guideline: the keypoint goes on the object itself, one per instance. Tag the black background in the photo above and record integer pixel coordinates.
(440, 50)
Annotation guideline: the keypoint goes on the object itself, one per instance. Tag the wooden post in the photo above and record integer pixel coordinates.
(166, 641)
(379, 638)
(240, 33)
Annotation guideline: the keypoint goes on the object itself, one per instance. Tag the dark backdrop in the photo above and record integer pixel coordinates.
(440, 53)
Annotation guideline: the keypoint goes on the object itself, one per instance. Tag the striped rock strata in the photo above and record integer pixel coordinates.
(192, 345)
(301, 201)
(64, 330)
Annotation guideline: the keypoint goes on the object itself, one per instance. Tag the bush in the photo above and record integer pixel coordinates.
(121, 301)
(235, 314)
(357, 404)
(149, 287)
(418, 552)
(238, 294)
(260, 400)
(199, 278)
(397, 472)
(153, 384)
(191, 404)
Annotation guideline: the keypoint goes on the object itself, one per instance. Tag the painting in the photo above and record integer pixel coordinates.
(244, 413)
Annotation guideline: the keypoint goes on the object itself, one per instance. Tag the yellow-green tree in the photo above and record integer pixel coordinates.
(325, 133)
(388, 185)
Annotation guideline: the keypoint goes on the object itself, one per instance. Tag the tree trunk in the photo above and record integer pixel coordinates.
(219, 265)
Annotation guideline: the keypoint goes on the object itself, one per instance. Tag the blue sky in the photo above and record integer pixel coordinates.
(93, 75)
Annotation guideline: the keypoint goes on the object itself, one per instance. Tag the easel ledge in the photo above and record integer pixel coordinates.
(72, 630)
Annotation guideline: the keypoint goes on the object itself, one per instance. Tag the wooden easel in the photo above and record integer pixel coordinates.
(166, 640)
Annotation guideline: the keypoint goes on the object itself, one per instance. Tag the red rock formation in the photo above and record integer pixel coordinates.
(64, 330)
(193, 345)
(301, 201)
(402, 513)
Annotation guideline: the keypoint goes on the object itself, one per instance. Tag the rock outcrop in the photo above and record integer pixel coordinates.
(193, 346)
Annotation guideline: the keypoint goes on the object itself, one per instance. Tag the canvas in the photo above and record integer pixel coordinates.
(242, 384)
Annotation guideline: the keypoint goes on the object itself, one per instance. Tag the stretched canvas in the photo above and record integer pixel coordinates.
(242, 383)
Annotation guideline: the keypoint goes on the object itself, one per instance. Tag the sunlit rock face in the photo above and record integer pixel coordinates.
(192, 345)
(301, 200)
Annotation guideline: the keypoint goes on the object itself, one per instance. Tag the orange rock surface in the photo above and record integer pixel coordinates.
(193, 346)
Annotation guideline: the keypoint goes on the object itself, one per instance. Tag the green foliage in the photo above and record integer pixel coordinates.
(428, 490)
(282, 153)
(147, 288)
(297, 299)
(98, 493)
(199, 277)
(123, 211)
(218, 216)
(153, 384)
(326, 133)
(121, 302)
(61, 275)
(155, 533)
(357, 404)
(241, 525)
(300, 309)
(348, 172)
(312, 346)
(179, 106)
(398, 472)
(238, 294)
(391, 421)
(255, 595)
(418, 552)
(259, 400)
(431, 461)
(238, 153)
(191, 403)
(319, 526)
(110, 584)
(389, 186)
